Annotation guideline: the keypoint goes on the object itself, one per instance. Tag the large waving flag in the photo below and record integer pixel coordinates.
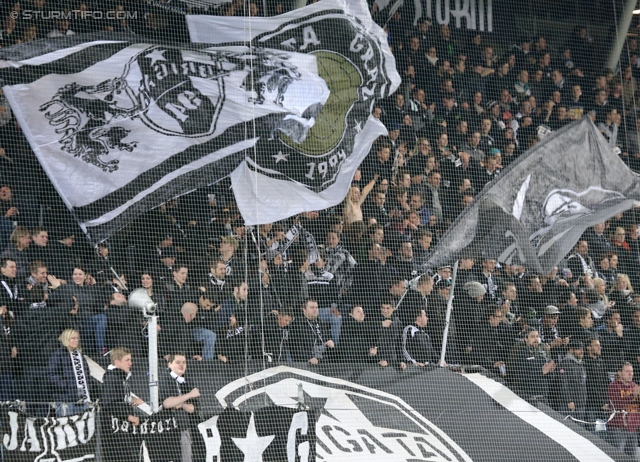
(120, 126)
(536, 210)
(353, 58)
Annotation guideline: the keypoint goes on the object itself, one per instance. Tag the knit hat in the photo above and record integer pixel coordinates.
(475, 289)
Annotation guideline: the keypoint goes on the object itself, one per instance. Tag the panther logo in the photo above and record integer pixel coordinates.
(175, 92)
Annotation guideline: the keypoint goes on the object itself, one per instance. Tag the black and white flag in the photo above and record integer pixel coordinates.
(285, 176)
(60, 439)
(269, 433)
(357, 412)
(536, 210)
(121, 126)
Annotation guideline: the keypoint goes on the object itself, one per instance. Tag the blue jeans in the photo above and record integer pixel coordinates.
(336, 323)
(97, 325)
(208, 340)
(625, 441)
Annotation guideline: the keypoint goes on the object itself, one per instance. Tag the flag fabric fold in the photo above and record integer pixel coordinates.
(354, 59)
(535, 211)
(121, 125)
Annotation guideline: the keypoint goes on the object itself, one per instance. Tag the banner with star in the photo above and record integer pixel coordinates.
(269, 433)
(121, 125)
(329, 412)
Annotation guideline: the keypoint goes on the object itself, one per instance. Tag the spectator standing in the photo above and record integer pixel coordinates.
(492, 340)
(597, 382)
(612, 341)
(311, 338)
(579, 262)
(276, 332)
(10, 290)
(70, 376)
(357, 344)
(530, 367)
(571, 397)
(387, 330)
(180, 398)
(119, 403)
(416, 342)
(17, 251)
(623, 396)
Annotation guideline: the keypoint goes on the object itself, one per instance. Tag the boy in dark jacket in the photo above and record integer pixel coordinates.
(118, 410)
(387, 331)
(571, 396)
(356, 342)
(276, 332)
(416, 343)
(233, 341)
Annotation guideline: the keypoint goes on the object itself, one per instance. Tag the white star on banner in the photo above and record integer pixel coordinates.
(156, 55)
(253, 445)
(280, 156)
(358, 127)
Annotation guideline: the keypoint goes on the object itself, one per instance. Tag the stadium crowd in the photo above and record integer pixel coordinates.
(350, 284)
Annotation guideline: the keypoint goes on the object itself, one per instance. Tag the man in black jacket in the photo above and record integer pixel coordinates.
(571, 397)
(180, 399)
(10, 291)
(416, 343)
(276, 332)
(357, 343)
(215, 287)
(176, 334)
(35, 333)
(177, 291)
(530, 367)
(374, 272)
(612, 341)
(579, 262)
(492, 341)
(387, 332)
(416, 298)
(597, 383)
(310, 338)
(119, 416)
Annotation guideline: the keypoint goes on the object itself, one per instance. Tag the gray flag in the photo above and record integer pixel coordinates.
(539, 206)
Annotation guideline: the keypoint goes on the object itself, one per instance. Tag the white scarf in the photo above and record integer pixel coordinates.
(125, 384)
(179, 381)
(13, 295)
(431, 60)
(216, 282)
(176, 377)
(80, 376)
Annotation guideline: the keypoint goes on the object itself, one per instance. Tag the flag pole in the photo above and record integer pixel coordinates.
(445, 334)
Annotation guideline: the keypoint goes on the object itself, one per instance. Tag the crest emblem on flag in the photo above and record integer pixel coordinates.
(172, 91)
(328, 419)
(286, 110)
